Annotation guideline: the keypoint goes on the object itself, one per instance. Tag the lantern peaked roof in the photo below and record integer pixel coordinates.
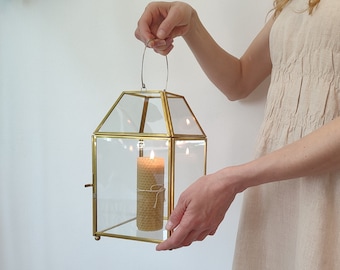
(150, 113)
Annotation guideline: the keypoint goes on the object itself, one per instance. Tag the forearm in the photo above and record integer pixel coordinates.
(223, 69)
(316, 153)
(236, 78)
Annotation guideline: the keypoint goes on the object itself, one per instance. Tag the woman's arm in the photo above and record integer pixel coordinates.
(202, 207)
(314, 154)
(236, 78)
(161, 22)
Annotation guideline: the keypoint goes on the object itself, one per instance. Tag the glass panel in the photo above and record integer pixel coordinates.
(189, 163)
(155, 121)
(183, 121)
(126, 116)
(131, 190)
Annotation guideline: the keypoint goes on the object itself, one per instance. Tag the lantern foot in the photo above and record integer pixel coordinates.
(97, 238)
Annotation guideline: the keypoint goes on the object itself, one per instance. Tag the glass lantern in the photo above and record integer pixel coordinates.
(145, 152)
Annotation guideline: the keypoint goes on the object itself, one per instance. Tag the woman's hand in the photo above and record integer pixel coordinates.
(200, 209)
(161, 22)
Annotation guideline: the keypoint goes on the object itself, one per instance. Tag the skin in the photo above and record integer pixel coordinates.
(195, 218)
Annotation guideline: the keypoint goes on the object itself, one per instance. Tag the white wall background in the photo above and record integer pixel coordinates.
(62, 65)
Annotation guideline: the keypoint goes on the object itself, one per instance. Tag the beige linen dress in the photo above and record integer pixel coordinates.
(295, 224)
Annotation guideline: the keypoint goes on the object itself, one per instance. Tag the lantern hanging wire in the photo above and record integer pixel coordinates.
(142, 69)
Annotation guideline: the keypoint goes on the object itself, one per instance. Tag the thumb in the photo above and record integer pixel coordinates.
(171, 22)
(176, 216)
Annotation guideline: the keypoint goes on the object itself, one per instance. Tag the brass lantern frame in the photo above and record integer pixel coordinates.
(176, 126)
(170, 136)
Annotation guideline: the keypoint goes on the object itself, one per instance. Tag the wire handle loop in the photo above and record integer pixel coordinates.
(142, 70)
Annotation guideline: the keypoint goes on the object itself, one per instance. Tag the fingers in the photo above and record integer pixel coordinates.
(162, 47)
(182, 237)
(161, 22)
(185, 228)
(172, 23)
(143, 33)
(156, 43)
(200, 210)
(176, 215)
(179, 238)
(149, 22)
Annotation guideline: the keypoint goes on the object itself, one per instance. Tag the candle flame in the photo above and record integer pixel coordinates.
(187, 152)
(152, 155)
(187, 121)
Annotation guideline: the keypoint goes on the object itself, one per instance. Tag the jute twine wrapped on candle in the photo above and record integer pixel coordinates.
(150, 193)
